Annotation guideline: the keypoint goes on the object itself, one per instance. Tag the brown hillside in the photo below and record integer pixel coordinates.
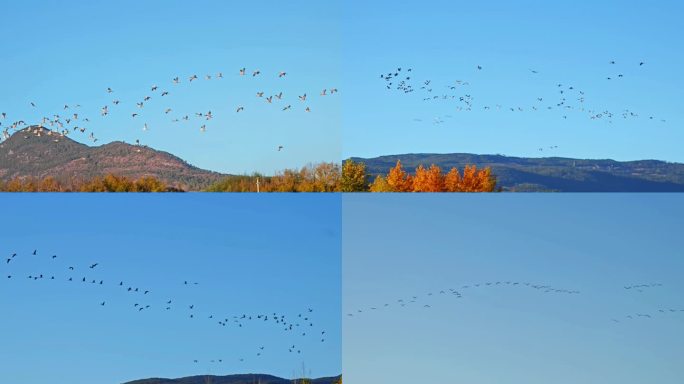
(37, 152)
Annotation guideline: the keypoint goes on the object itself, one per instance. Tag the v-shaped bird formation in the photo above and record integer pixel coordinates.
(301, 326)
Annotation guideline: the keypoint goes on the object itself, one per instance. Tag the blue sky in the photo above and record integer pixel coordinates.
(396, 247)
(69, 52)
(568, 43)
(250, 255)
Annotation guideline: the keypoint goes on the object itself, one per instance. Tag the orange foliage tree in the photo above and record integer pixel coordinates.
(399, 180)
(433, 180)
(428, 180)
(473, 180)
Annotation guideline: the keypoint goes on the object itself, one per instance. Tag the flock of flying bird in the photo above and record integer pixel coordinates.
(420, 300)
(299, 327)
(426, 300)
(660, 311)
(71, 120)
(568, 98)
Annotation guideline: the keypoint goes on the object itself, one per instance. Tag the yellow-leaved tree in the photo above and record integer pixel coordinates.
(380, 185)
(354, 178)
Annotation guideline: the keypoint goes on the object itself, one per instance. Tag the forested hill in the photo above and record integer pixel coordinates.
(551, 173)
(235, 379)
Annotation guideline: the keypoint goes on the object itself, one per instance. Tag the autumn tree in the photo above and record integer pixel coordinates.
(17, 185)
(287, 181)
(433, 180)
(149, 184)
(305, 181)
(452, 181)
(428, 180)
(114, 183)
(477, 181)
(380, 185)
(49, 184)
(326, 177)
(399, 180)
(240, 183)
(321, 177)
(354, 178)
(472, 180)
(487, 181)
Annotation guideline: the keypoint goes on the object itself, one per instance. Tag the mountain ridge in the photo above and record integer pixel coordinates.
(232, 379)
(37, 152)
(550, 173)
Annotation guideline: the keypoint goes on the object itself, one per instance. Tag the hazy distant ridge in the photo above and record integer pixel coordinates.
(232, 379)
(552, 173)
